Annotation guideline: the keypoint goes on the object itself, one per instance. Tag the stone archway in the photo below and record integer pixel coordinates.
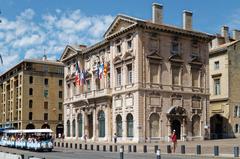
(45, 126)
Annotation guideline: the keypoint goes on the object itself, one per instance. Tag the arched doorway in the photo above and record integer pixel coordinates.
(90, 126)
(119, 125)
(30, 126)
(196, 125)
(45, 126)
(154, 125)
(220, 127)
(129, 125)
(80, 125)
(101, 124)
(176, 125)
(59, 130)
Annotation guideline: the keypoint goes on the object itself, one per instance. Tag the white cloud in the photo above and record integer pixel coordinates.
(27, 37)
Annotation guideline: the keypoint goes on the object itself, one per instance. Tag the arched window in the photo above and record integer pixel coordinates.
(236, 128)
(68, 128)
(119, 125)
(80, 125)
(73, 128)
(195, 125)
(101, 124)
(129, 125)
(30, 91)
(154, 125)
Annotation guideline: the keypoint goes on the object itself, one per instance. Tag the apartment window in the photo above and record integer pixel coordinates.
(216, 65)
(31, 79)
(30, 115)
(119, 48)
(195, 74)
(175, 76)
(88, 85)
(119, 78)
(60, 104)
(46, 81)
(236, 111)
(60, 94)
(45, 105)
(60, 82)
(154, 73)
(30, 104)
(60, 117)
(45, 116)
(175, 47)
(217, 87)
(30, 91)
(236, 128)
(45, 93)
(129, 70)
(129, 44)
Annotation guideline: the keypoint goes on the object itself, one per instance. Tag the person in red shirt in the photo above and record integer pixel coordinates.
(174, 141)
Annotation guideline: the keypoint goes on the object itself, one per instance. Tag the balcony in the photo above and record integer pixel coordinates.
(107, 92)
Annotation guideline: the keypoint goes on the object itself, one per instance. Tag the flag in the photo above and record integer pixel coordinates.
(101, 70)
(82, 77)
(105, 69)
(77, 74)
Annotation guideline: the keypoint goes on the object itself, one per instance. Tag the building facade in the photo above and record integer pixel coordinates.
(32, 95)
(143, 80)
(224, 85)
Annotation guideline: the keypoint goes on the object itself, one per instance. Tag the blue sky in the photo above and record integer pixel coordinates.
(31, 26)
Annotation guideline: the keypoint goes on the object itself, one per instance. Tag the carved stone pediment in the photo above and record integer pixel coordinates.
(176, 58)
(68, 52)
(128, 56)
(195, 62)
(117, 60)
(154, 55)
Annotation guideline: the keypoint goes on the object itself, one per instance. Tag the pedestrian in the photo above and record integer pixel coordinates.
(174, 141)
(85, 138)
(115, 138)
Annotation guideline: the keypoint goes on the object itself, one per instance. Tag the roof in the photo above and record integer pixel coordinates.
(222, 47)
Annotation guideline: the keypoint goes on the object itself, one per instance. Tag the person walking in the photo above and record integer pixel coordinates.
(115, 138)
(174, 141)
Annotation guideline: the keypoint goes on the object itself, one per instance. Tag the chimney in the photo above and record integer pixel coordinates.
(225, 32)
(187, 20)
(236, 34)
(157, 10)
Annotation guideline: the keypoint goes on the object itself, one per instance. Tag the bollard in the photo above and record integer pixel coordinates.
(216, 151)
(110, 148)
(75, 146)
(104, 147)
(121, 153)
(91, 147)
(236, 151)
(85, 146)
(115, 148)
(129, 148)
(134, 148)
(97, 147)
(145, 148)
(183, 149)
(169, 149)
(158, 154)
(155, 148)
(198, 149)
(80, 146)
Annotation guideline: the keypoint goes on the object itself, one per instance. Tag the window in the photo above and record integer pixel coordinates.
(195, 74)
(154, 73)
(175, 76)
(45, 93)
(88, 85)
(80, 125)
(216, 65)
(73, 128)
(60, 94)
(119, 125)
(236, 128)
(60, 117)
(46, 81)
(31, 79)
(129, 44)
(45, 105)
(30, 115)
(129, 69)
(119, 77)
(175, 48)
(236, 111)
(129, 125)
(68, 128)
(30, 91)
(45, 116)
(119, 48)
(101, 121)
(217, 87)
(30, 104)
(60, 105)
(60, 82)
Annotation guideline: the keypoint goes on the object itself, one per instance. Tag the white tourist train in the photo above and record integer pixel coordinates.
(30, 139)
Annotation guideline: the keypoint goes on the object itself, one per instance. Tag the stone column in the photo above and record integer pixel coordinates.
(76, 122)
(168, 129)
(107, 124)
(183, 130)
(85, 124)
(94, 124)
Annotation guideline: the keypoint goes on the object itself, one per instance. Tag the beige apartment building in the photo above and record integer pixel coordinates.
(154, 80)
(224, 79)
(32, 95)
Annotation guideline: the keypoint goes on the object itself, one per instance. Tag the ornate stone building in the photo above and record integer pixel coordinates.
(224, 80)
(32, 95)
(155, 80)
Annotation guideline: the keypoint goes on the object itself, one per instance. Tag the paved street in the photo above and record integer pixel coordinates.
(62, 153)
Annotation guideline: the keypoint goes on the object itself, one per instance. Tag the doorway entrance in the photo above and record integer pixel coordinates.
(176, 125)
